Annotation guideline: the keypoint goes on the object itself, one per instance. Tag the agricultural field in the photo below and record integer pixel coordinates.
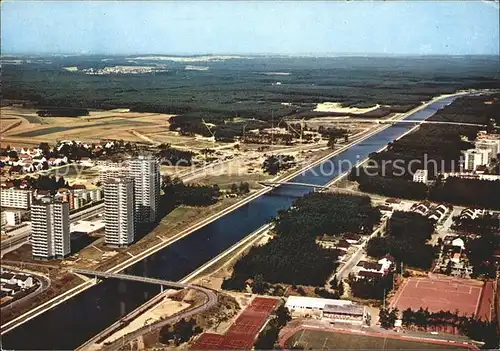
(317, 339)
(23, 127)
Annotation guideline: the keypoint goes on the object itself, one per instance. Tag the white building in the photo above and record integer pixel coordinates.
(50, 229)
(421, 176)
(112, 170)
(458, 242)
(475, 158)
(303, 304)
(119, 211)
(86, 162)
(492, 145)
(11, 218)
(472, 175)
(17, 198)
(146, 174)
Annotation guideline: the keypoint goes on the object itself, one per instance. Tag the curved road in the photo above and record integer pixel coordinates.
(210, 302)
(44, 284)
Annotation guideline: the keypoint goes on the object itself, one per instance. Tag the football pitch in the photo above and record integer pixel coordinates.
(318, 339)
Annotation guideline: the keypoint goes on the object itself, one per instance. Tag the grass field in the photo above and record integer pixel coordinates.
(317, 339)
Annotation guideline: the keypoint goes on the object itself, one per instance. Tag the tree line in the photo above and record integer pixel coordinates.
(180, 332)
(470, 326)
(460, 191)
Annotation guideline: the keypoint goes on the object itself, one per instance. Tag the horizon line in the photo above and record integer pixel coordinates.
(309, 55)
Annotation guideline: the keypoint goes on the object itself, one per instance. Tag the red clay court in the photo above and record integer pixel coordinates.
(447, 294)
(242, 333)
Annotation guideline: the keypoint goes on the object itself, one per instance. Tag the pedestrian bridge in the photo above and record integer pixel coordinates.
(413, 121)
(306, 185)
(101, 274)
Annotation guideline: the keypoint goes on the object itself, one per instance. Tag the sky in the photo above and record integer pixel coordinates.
(251, 27)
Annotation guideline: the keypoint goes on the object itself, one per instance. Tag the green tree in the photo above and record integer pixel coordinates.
(258, 286)
(283, 316)
(234, 188)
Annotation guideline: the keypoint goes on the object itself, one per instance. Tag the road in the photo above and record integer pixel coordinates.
(44, 285)
(22, 238)
(210, 301)
(356, 257)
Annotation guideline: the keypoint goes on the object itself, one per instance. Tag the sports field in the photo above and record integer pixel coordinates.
(242, 333)
(441, 293)
(319, 339)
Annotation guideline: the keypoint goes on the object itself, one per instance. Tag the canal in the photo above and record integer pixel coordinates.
(75, 321)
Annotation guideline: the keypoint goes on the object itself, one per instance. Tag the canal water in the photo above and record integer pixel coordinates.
(75, 321)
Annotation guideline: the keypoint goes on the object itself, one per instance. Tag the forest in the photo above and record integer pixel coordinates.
(437, 148)
(407, 234)
(245, 89)
(189, 194)
(293, 256)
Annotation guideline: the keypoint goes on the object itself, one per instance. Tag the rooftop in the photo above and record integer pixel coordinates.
(314, 302)
(345, 309)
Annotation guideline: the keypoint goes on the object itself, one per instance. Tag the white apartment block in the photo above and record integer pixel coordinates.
(50, 235)
(119, 211)
(16, 198)
(421, 176)
(11, 218)
(475, 158)
(146, 174)
(492, 145)
(111, 171)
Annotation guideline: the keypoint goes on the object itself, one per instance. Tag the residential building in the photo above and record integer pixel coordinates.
(387, 263)
(421, 176)
(492, 145)
(146, 174)
(343, 245)
(475, 158)
(112, 170)
(16, 198)
(352, 238)
(326, 241)
(472, 213)
(50, 235)
(86, 162)
(422, 208)
(66, 195)
(470, 175)
(119, 211)
(11, 218)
